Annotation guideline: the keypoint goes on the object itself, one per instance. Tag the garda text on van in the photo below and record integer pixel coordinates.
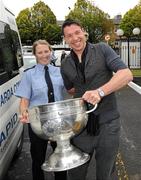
(6, 129)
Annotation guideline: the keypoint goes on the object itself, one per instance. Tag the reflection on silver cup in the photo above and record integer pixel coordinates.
(60, 121)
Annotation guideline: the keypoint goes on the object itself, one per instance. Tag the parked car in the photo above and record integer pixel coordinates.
(29, 59)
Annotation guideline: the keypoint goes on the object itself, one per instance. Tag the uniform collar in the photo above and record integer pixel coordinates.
(41, 66)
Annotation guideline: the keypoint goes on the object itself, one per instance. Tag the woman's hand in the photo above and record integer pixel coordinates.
(24, 116)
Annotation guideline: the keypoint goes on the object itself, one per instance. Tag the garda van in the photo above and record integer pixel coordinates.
(11, 130)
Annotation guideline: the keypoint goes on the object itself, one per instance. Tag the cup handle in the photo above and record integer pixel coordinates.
(93, 109)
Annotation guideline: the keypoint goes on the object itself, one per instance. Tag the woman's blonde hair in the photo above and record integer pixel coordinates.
(42, 42)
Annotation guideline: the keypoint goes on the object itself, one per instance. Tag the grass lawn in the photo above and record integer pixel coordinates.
(136, 72)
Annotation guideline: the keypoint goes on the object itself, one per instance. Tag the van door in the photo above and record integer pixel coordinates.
(11, 130)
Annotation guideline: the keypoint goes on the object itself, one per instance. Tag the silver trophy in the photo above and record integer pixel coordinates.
(60, 121)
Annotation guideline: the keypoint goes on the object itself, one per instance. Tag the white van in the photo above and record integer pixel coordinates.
(11, 130)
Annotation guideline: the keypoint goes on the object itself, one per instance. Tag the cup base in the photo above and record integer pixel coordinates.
(65, 160)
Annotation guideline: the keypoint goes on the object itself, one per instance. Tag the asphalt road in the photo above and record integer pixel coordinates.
(129, 103)
(129, 157)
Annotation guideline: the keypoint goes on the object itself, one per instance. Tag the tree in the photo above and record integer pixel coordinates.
(25, 25)
(95, 21)
(32, 23)
(131, 20)
(52, 33)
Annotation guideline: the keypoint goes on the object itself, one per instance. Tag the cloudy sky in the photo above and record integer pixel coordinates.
(60, 7)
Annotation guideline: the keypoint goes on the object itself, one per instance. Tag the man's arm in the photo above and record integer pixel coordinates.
(68, 84)
(120, 79)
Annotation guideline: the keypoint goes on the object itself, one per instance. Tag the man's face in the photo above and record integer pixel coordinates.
(74, 35)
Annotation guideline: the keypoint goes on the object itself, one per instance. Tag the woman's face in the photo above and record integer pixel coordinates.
(42, 53)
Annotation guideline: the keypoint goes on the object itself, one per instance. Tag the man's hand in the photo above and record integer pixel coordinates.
(71, 91)
(92, 97)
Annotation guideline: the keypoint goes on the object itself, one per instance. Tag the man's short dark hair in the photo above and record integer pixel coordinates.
(69, 22)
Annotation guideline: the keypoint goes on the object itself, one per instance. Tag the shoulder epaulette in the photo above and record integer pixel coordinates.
(29, 68)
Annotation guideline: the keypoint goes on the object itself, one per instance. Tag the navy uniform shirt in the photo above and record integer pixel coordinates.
(34, 88)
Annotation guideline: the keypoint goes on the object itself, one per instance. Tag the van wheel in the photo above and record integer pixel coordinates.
(19, 146)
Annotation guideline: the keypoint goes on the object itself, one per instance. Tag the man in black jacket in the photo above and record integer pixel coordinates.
(63, 55)
(88, 73)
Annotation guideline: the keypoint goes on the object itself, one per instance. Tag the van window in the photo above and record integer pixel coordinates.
(10, 53)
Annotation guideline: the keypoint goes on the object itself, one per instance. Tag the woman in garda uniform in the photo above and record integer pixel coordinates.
(33, 91)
